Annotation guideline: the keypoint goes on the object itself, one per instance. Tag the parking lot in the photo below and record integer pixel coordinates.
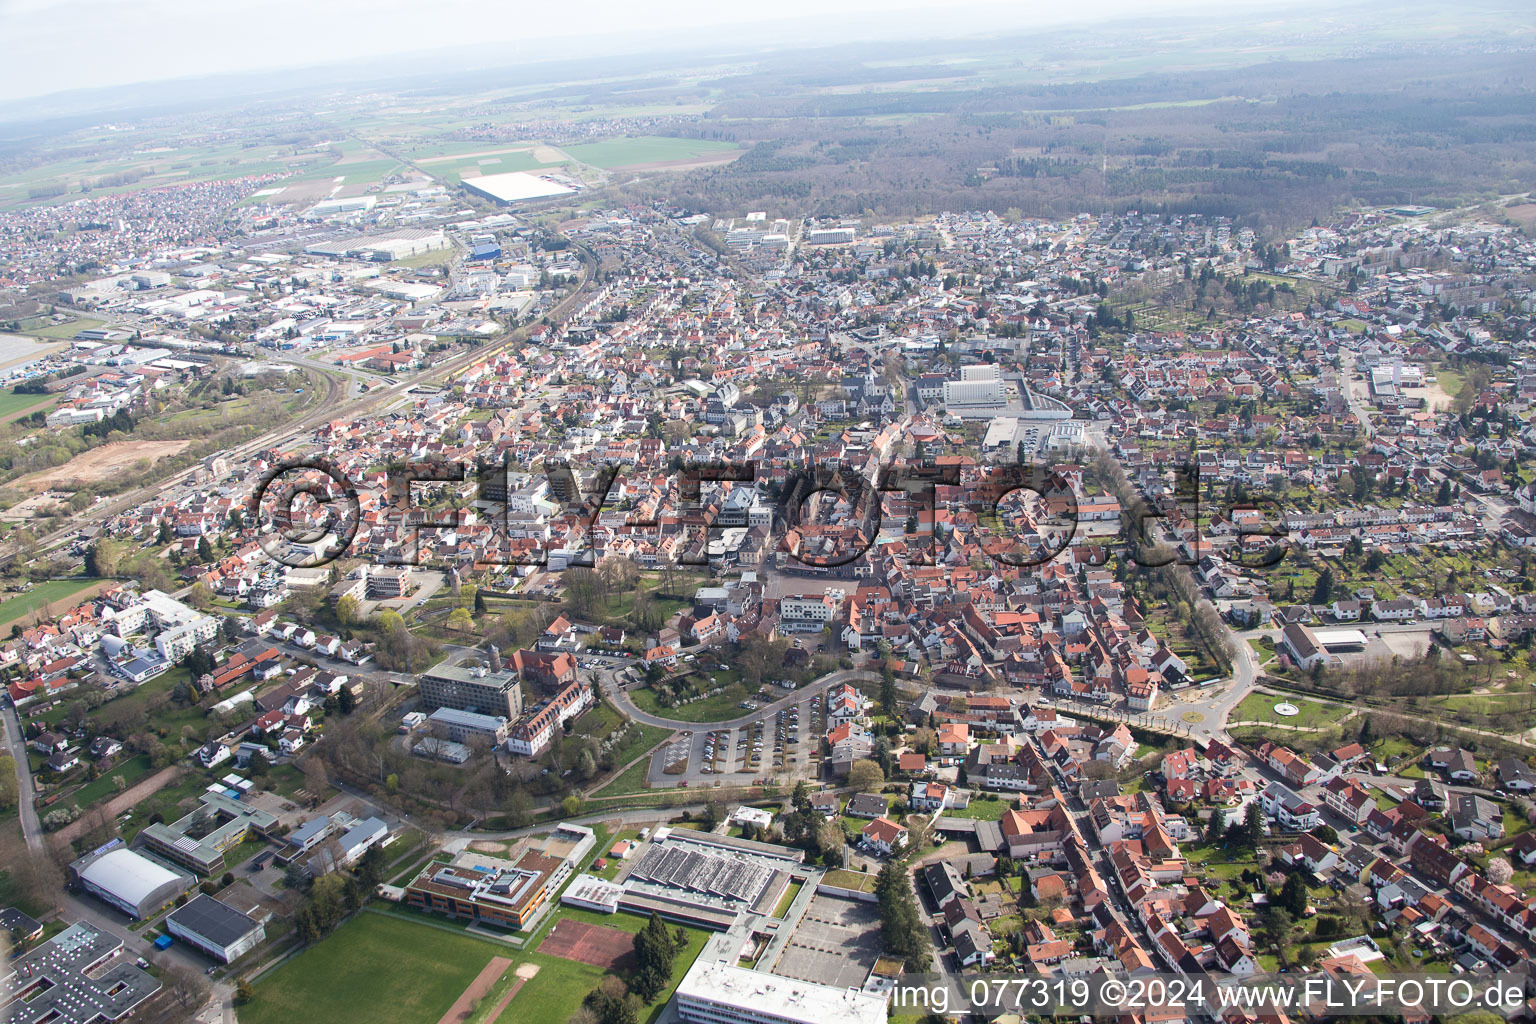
(777, 743)
(835, 943)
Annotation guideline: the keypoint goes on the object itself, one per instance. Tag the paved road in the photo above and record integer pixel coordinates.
(1359, 408)
(26, 795)
(640, 816)
(1212, 709)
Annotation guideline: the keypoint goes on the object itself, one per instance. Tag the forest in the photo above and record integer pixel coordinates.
(1276, 145)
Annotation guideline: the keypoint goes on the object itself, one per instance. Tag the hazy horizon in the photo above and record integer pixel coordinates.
(156, 42)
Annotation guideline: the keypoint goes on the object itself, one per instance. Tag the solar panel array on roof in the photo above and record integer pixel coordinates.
(702, 872)
(451, 876)
(217, 922)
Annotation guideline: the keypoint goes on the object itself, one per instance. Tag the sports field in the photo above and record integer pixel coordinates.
(590, 944)
(400, 967)
(375, 968)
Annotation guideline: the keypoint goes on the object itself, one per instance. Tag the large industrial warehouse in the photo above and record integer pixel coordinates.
(515, 187)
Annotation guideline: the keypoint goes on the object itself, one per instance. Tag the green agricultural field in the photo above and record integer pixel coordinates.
(62, 332)
(12, 404)
(474, 166)
(107, 174)
(435, 151)
(646, 149)
(43, 594)
(361, 172)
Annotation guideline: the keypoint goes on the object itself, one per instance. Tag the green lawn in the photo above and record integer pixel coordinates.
(20, 606)
(788, 898)
(614, 863)
(617, 609)
(859, 881)
(286, 780)
(1260, 707)
(171, 802)
(1217, 863)
(134, 706)
(64, 332)
(1490, 704)
(982, 809)
(1449, 380)
(374, 968)
(393, 966)
(631, 781)
(1390, 748)
(556, 992)
(720, 708)
(131, 770)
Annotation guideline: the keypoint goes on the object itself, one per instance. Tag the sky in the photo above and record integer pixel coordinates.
(58, 45)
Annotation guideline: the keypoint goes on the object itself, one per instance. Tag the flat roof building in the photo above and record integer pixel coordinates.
(200, 839)
(441, 750)
(707, 880)
(1340, 639)
(465, 726)
(501, 891)
(592, 893)
(305, 837)
(73, 979)
(714, 992)
(515, 186)
(217, 929)
(472, 688)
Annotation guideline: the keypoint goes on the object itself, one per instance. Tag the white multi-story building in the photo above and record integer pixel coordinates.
(533, 734)
(181, 627)
(805, 613)
(714, 992)
(973, 392)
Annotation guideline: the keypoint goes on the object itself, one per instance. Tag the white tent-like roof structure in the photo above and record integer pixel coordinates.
(131, 878)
